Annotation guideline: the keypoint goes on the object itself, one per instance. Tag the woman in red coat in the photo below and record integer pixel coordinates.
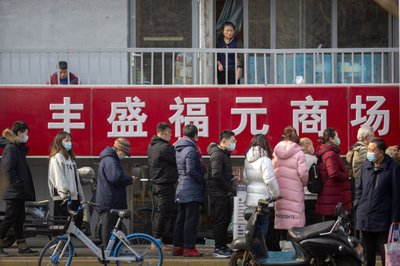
(333, 173)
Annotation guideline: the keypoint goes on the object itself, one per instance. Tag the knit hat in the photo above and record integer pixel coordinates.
(124, 145)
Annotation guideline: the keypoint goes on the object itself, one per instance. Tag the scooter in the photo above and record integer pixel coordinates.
(325, 243)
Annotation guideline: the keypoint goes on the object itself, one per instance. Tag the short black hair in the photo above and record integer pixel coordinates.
(62, 65)
(162, 126)
(19, 126)
(228, 23)
(226, 134)
(380, 144)
(190, 131)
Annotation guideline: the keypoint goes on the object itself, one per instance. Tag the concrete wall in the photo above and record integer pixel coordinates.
(64, 24)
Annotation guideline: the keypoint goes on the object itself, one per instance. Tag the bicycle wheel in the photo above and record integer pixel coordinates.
(51, 253)
(146, 246)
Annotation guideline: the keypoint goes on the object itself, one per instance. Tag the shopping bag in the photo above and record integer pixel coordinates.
(392, 248)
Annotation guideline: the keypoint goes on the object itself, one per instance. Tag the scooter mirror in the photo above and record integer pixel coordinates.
(339, 209)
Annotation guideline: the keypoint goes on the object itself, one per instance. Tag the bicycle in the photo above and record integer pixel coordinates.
(123, 249)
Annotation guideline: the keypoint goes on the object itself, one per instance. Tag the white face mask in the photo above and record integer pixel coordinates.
(23, 138)
(232, 146)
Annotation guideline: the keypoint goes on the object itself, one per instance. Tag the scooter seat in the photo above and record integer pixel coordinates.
(300, 233)
(121, 213)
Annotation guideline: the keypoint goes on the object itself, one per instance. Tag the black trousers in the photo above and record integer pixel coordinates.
(61, 211)
(231, 77)
(108, 222)
(221, 211)
(185, 232)
(371, 241)
(164, 209)
(14, 217)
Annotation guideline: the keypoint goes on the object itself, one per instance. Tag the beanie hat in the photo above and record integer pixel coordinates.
(124, 145)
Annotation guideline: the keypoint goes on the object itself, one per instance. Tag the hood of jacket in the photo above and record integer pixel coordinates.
(184, 142)
(359, 145)
(156, 140)
(108, 151)
(255, 153)
(8, 137)
(324, 147)
(213, 147)
(286, 149)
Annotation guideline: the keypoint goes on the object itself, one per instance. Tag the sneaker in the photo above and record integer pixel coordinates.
(7, 242)
(221, 253)
(227, 249)
(177, 251)
(27, 252)
(3, 253)
(192, 252)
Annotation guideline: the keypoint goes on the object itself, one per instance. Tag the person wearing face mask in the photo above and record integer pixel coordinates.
(63, 181)
(291, 171)
(332, 171)
(163, 178)
(111, 184)
(189, 192)
(20, 186)
(220, 189)
(377, 199)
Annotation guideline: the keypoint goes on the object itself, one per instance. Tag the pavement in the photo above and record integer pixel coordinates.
(86, 258)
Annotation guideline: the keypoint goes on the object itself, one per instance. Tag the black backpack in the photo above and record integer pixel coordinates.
(315, 184)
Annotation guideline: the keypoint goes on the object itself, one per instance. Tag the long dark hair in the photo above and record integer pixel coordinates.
(329, 133)
(57, 146)
(260, 140)
(290, 133)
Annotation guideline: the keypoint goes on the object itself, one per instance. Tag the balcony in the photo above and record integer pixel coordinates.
(189, 66)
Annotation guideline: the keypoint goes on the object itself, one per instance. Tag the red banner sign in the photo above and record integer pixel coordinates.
(96, 116)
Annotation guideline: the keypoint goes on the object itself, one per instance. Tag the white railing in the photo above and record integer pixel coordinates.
(172, 66)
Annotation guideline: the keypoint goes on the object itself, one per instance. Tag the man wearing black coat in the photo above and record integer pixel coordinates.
(377, 199)
(220, 190)
(20, 188)
(163, 178)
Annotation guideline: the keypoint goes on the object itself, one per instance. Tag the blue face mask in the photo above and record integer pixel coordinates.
(232, 146)
(67, 145)
(371, 156)
(24, 139)
(337, 142)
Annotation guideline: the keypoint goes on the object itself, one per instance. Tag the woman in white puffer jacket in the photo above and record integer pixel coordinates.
(259, 174)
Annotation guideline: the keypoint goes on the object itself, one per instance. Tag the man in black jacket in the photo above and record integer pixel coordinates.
(220, 189)
(163, 177)
(20, 188)
(377, 199)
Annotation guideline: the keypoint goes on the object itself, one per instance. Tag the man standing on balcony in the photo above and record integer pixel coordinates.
(63, 76)
(235, 63)
(163, 178)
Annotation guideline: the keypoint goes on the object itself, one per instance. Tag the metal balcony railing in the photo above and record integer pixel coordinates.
(187, 66)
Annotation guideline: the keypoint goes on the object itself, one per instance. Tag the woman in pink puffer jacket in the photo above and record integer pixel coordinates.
(291, 172)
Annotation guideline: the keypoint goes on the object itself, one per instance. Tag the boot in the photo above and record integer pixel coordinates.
(24, 250)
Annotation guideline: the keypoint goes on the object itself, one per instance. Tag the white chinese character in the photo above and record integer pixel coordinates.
(126, 119)
(374, 115)
(312, 120)
(253, 112)
(195, 114)
(66, 115)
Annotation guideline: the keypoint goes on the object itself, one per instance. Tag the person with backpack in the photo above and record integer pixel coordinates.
(333, 174)
(312, 160)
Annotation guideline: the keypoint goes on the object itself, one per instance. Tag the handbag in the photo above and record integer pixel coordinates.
(392, 248)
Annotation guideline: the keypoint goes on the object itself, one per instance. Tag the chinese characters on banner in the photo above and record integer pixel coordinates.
(96, 116)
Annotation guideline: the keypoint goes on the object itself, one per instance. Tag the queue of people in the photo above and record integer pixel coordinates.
(179, 179)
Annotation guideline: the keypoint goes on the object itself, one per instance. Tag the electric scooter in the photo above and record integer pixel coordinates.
(325, 243)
